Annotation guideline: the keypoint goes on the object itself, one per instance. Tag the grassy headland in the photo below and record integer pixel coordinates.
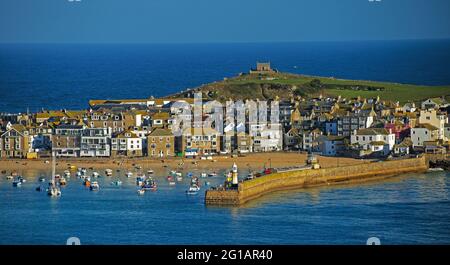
(286, 86)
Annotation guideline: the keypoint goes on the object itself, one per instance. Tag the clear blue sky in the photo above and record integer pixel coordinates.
(221, 20)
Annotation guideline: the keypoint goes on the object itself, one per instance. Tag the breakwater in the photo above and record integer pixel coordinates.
(252, 189)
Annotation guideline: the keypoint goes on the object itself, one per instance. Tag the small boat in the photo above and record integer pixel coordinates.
(213, 174)
(250, 176)
(21, 179)
(14, 174)
(83, 170)
(179, 178)
(9, 177)
(435, 169)
(67, 173)
(141, 191)
(171, 180)
(95, 174)
(140, 180)
(149, 184)
(41, 179)
(57, 176)
(87, 182)
(53, 190)
(129, 174)
(62, 181)
(108, 172)
(78, 174)
(117, 183)
(203, 175)
(94, 186)
(16, 183)
(207, 183)
(193, 189)
(150, 172)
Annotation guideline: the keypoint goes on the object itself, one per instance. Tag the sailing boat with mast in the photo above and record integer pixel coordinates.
(53, 190)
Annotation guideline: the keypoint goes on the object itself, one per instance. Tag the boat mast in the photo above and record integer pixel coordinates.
(53, 168)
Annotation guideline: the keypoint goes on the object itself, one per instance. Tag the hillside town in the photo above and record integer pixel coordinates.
(354, 127)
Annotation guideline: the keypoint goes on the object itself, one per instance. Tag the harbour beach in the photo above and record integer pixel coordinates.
(254, 161)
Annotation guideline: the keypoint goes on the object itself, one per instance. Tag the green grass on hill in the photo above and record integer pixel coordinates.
(391, 91)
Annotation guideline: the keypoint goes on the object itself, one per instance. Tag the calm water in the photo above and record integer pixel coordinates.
(413, 209)
(67, 76)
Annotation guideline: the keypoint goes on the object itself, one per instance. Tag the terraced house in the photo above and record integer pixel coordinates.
(14, 142)
(161, 143)
(126, 143)
(66, 142)
(96, 142)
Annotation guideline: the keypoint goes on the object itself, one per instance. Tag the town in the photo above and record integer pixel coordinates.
(328, 126)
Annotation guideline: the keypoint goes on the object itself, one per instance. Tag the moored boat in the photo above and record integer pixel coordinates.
(117, 183)
(193, 189)
(212, 174)
(53, 190)
(141, 191)
(129, 174)
(41, 179)
(94, 186)
(95, 174)
(67, 173)
(62, 181)
(16, 183)
(435, 169)
(108, 172)
(9, 177)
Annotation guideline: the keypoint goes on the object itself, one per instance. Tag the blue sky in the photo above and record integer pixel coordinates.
(221, 20)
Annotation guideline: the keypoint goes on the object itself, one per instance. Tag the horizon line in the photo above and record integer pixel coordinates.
(224, 42)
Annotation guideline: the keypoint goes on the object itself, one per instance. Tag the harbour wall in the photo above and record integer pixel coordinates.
(252, 189)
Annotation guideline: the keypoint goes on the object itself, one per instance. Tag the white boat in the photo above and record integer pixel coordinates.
(129, 174)
(94, 186)
(53, 190)
(62, 181)
(83, 171)
(67, 173)
(150, 172)
(179, 178)
(9, 177)
(193, 189)
(435, 169)
(16, 183)
(21, 179)
(95, 174)
(78, 174)
(117, 183)
(108, 172)
(141, 191)
(203, 175)
(42, 179)
(213, 174)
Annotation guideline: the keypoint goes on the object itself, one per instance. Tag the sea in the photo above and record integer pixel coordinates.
(409, 209)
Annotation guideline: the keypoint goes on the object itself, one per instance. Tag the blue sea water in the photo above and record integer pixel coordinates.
(410, 209)
(413, 209)
(59, 76)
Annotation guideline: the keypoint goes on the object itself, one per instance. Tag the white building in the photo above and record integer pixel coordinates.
(424, 132)
(435, 119)
(266, 138)
(126, 144)
(95, 142)
(373, 140)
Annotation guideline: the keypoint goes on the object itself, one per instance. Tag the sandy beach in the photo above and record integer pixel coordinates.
(254, 161)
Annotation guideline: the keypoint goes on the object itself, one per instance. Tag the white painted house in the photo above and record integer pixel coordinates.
(374, 140)
(424, 132)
